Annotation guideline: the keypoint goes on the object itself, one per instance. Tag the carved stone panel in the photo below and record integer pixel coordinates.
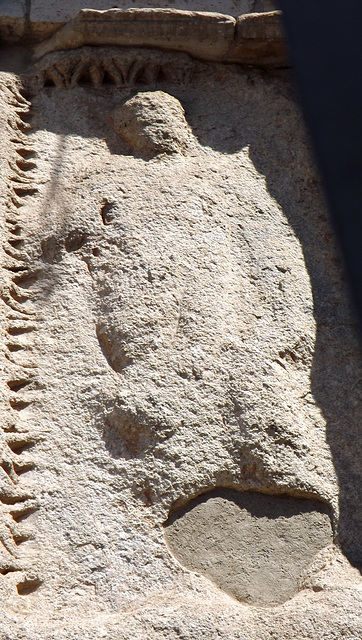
(181, 375)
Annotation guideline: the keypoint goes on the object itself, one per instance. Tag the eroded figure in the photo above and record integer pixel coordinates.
(190, 364)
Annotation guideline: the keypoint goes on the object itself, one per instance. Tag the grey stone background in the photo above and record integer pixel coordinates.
(53, 11)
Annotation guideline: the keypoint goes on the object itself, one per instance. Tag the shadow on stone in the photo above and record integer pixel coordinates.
(256, 111)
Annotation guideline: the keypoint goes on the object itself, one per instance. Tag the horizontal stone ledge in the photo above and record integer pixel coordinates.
(259, 40)
(252, 39)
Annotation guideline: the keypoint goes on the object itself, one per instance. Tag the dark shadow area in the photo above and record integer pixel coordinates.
(230, 109)
(259, 505)
(336, 378)
(15, 59)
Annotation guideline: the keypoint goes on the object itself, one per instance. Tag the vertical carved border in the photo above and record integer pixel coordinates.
(17, 500)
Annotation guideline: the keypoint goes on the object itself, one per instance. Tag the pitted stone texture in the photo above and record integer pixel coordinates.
(204, 35)
(254, 39)
(152, 123)
(255, 547)
(259, 40)
(124, 68)
(39, 19)
(18, 382)
(213, 277)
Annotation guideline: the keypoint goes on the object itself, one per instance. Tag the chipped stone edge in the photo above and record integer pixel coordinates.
(254, 39)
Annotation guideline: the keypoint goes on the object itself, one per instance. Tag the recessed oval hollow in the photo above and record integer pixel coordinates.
(253, 546)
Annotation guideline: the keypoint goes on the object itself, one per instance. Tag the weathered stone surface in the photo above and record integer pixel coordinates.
(256, 39)
(62, 11)
(152, 122)
(52, 12)
(18, 433)
(259, 40)
(12, 20)
(38, 19)
(171, 326)
(205, 35)
(123, 68)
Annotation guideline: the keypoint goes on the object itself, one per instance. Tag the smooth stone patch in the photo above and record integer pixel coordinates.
(255, 547)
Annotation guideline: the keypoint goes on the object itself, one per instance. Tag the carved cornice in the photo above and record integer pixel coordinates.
(252, 39)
